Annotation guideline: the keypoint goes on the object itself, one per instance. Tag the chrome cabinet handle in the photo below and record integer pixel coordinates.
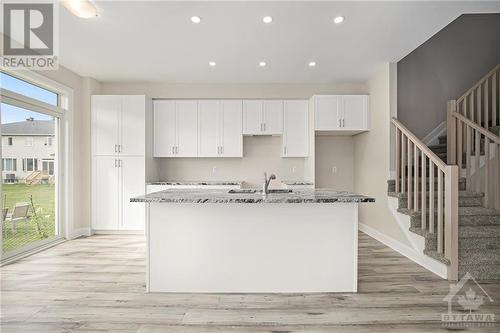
(115, 148)
(284, 150)
(120, 163)
(119, 148)
(222, 149)
(173, 151)
(177, 149)
(264, 126)
(115, 161)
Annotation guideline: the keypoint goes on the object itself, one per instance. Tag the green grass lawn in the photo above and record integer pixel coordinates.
(33, 229)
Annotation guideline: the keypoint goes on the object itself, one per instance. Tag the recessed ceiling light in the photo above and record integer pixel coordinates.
(262, 64)
(312, 63)
(211, 63)
(338, 19)
(267, 19)
(196, 19)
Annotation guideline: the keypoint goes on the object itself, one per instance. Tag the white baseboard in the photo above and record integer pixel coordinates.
(419, 258)
(79, 233)
(433, 137)
(118, 232)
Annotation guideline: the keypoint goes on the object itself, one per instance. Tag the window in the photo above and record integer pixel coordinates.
(9, 141)
(30, 164)
(48, 167)
(9, 164)
(22, 87)
(28, 141)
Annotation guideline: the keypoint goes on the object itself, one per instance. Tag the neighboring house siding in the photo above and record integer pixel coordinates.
(38, 148)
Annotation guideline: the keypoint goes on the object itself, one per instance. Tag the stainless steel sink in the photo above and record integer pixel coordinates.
(252, 191)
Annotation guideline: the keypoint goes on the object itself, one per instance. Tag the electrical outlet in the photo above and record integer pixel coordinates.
(334, 169)
(214, 170)
(294, 169)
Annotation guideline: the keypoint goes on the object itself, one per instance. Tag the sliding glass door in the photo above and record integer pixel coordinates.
(30, 156)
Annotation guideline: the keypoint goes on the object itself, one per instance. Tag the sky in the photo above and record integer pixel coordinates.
(9, 113)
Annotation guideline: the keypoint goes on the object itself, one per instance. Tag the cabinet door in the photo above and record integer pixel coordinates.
(231, 128)
(187, 128)
(133, 126)
(327, 112)
(105, 124)
(164, 128)
(105, 193)
(273, 117)
(132, 170)
(208, 128)
(252, 117)
(355, 112)
(296, 129)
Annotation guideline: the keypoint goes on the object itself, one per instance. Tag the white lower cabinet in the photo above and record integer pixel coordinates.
(115, 181)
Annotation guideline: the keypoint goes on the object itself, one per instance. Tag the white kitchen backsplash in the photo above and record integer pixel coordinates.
(261, 153)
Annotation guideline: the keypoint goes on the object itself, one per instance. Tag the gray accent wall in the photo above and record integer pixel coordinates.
(444, 67)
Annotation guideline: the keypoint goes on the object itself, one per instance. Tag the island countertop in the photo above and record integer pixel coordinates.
(222, 196)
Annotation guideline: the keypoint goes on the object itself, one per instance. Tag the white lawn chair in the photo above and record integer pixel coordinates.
(20, 213)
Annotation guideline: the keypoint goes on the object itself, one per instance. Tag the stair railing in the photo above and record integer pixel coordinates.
(476, 151)
(470, 143)
(431, 187)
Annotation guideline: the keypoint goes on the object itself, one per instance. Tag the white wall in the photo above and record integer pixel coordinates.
(83, 88)
(335, 152)
(372, 158)
(249, 168)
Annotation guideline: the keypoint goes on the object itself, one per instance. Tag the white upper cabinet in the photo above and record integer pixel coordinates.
(175, 128)
(272, 117)
(164, 128)
(252, 117)
(355, 112)
(118, 125)
(296, 129)
(341, 113)
(133, 126)
(262, 117)
(231, 138)
(187, 128)
(208, 128)
(220, 128)
(327, 112)
(105, 124)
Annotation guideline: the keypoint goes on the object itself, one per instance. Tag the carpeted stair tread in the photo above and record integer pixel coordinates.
(437, 256)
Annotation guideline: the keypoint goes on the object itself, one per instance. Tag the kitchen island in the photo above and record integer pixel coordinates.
(215, 241)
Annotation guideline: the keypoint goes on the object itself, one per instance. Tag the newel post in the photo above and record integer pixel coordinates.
(451, 220)
(451, 123)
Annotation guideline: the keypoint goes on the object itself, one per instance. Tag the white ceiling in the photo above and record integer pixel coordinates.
(156, 41)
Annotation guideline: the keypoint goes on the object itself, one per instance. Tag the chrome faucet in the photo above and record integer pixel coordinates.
(265, 186)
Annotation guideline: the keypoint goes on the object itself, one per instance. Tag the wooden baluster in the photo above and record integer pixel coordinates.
(440, 212)
(486, 104)
(415, 176)
(459, 144)
(494, 100)
(477, 178)
(431, 196)
(471, 110)
(468, 158)
(487, 171)
(479, 105)
(398, 160)
(403, 163)
(424, 192)
(409, 171)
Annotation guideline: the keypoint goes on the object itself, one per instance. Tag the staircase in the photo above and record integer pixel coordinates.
(458, 212)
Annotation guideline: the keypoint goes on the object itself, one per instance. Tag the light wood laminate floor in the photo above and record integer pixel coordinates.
(96, 284)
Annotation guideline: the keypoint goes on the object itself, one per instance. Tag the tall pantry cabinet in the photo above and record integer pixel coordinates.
(118, 161)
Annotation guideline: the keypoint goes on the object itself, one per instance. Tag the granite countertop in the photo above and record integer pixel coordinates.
(196, 182)
(222, 196)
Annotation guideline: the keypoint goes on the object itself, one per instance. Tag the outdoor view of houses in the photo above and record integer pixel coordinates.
(28, 177)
